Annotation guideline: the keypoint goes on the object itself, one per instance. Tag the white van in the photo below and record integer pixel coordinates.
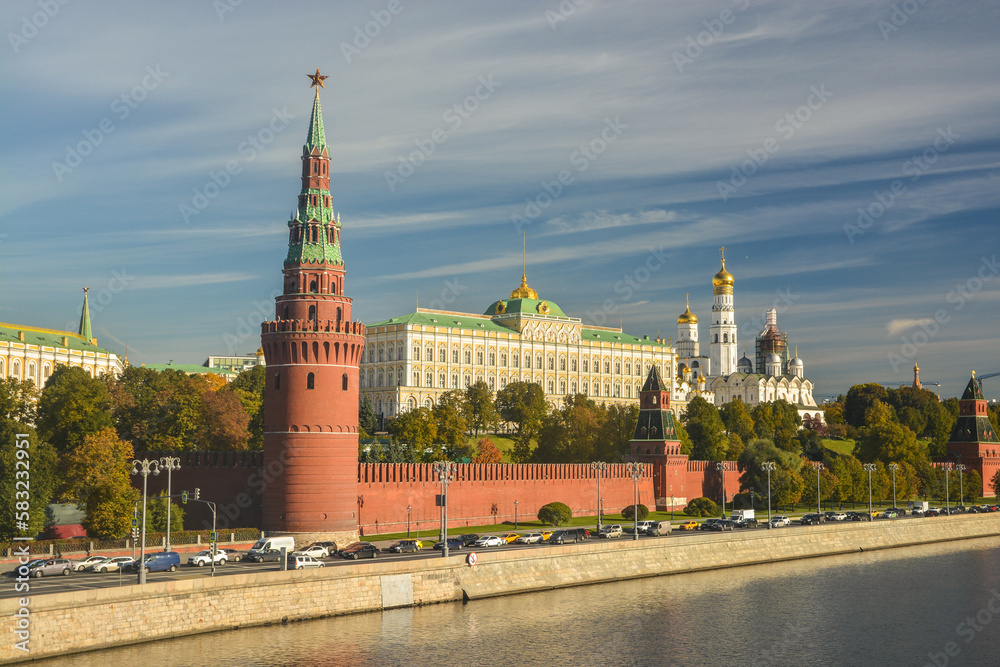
(267, 543)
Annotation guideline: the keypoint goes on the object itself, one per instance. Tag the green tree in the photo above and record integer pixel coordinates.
(449, 417)
(734, 447)
(367, 421)
(852, 480)
(72, 406)
(753, 476)
(224, 423)
(160, 411)
(787, 485)
(555, 514)
(617, 430)
(995, 484)
(859, 398)
(702, 507)
(522, 404)
(97, 478)
(416, 428)
(882, 438)
(30, 478)
(778, 421)
(737, 419)
(481, 412)
(683, 437)
(156, 515)
(249, 387)
(570, 434)
(629, 512)
(707, 432)
(973, 487)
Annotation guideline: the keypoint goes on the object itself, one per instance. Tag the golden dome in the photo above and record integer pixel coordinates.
(687, 317)
(524, 292)
(723, 280)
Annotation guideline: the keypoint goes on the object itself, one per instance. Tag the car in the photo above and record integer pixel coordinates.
(641, 526)
(828, 516)
(331, 547)
(509, 537)
(779, 521)
(157, 562)
(453, 543)
(810, 519)
(838, 516)
(360, 550)
(49, 566)
(111, 564)
(707, 524)
(889, 514)
(917, 511)
(468, 540)
(855, 516)
(723, 524)
(899, 511)
(302, 561)
(204, 557)
(490, 541)
(546, 534)
(611, 532)
(529, 538)
(81, 565)
(688, 525)
(232, 554)
(405, 546)
(568, 535)
(657, 528)
(314, 550)
(265, 556)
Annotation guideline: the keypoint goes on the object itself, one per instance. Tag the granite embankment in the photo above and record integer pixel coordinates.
(93, 619)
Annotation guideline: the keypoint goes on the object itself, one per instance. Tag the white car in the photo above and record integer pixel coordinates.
(530, 538)
(110, 564)
(315, 551)
(779, 521)
(489, 541)
(300, 562)
(81, 565)
(839, 516)
(203, 558)
(232, 554)
(611, 532)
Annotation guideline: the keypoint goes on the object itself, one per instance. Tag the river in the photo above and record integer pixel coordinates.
(929, 605)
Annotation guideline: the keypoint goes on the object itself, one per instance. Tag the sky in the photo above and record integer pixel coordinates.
(844, 153)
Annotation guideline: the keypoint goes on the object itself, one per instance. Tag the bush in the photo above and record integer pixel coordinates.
(629, 512)
(555, 514)
(702, 507)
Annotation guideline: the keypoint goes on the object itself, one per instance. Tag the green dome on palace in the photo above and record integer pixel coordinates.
(525, 307)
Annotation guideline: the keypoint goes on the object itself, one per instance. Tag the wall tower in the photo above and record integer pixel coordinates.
(312, 350)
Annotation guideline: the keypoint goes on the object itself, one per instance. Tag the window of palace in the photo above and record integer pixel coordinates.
(430, 380)
(493, 359)
(551, 387)
(454, 381)
(572, 388)
(552, 363)
(416, 378)
(607, 367)
(586, 366)
(443, 355)
(491, 383)
(503, 358)
(381, 354)
(586, 387)
(468, 356)
(479, 357)
(514, 360)
(454, 356)
(311, 381)
(390, 352)
(572, 365)
(618, 368)
(562, 363)
(442, 380)
(416, 353)
(538, 361)
(562, 386)
(468, 381)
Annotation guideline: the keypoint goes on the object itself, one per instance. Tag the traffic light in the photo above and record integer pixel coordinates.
(184, 497)
(197, 494)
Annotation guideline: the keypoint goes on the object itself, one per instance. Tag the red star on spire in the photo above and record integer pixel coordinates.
(317, 79)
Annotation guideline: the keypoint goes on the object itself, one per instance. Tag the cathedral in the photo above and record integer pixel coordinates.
(720, 378)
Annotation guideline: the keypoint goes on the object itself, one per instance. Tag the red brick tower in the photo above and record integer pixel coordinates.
(312, 351)
(973, 441)
(655, 441)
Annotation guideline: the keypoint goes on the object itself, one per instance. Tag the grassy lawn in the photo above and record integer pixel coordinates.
(504, 443)
(840, 447)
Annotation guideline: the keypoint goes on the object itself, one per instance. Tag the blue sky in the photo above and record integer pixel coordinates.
(676, 128)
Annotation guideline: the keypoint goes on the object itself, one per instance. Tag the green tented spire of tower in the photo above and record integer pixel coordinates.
(317, 136)
(85, 330)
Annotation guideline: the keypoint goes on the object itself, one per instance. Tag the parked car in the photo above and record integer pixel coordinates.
(265, 556)
(490, 541)
(723, 524)
(81, 565)
(162, 561)
(810, 519)
(302, 561)
(633, 527)
(453, 543)
(313, 550)
(204, 557)
(611, 532)
(779, 521)
(568, 535)
(232, 555)
(529, 538)
(509, 537)
(360, 550)
(468, 540)
(331, 547)
(688, 525)
(707, 524)
(111, 564)
(49, 567)
(838, 516)
(855, 516)
(405, 546)
(917, 511)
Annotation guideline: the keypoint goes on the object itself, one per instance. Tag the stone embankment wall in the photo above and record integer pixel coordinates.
(98, 618)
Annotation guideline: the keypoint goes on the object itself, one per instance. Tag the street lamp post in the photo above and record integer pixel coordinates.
(635, 470)
(409, 508)
(768, 466)
(722, 466)
(947, 492)
(444, 472)
(819, 466)
(144, 468)
(171, 463)
(870, 467)
(961, 467)
(893, 467)
(599, 466)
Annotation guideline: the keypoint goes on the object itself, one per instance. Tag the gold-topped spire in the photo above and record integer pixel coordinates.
(723, 280)
(687, 317)
(524, 292)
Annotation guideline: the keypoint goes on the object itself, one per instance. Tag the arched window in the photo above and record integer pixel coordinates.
(416, 353)
(572, 365)
(618, 368)
(552, 388)
(562, 364)
(361, 381)
(15, 369)
(628, 391)
(442, 355)
(429, 354)
(430, 379)
(454, 356)
(442, 380)
(607, 389)
(390, 352)
(454, 381)
(552, 363)
(572, 388)
(607, 367)
(538, 361)
(411, 404)
(46, 371)
(311, 381)
(716, 338)
(586, 387)
(527, 361)
(312, 287)
(1, 368)
(416, 378)
(31, 370)
(312, 312)
(468, 380)
(343, 382)
(515, 360)
(725, 338)
(503, 383)
(493, 359)
(618, 390)
(381, 354)
(586, 367)
(503, 358)
(371, 378)
(479, 357)
(562, 386)
(277, 381)
(371, 354)
(468, 356)
(491, 383)
(381, 379)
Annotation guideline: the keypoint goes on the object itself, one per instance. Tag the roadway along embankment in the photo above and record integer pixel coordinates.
(99, 618)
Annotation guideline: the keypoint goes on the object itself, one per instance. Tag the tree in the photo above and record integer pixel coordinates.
(98, 480)
(882, 438)
(487, 452)
(72, 406)
(522, 404)
(737, 419)
(973, 484)
(416, 428)
(734, 447)
(367, 421)
(249, 387)
(995, 484)
(481, 412)
(160, 411)
(629, 512)
(555, 514)
(707, 432)
(859, 398)
(37, 474)
(787, 485)
(156, 515)
(224, 423)
(778, 421)
(702, 507)
(449, 417)
(616, 431)
(852, 480)
(753, 476)
(570, 434)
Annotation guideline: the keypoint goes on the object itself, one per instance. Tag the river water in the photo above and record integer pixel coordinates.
(928, 605)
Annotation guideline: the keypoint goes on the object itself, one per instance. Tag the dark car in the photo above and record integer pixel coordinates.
(810, 519)
(405, 546)
(157, 562)
(47, 567)
(468, 540)
(453, 543)
(568, 535)
(855, 516)
(723, 524)
(708, 523)
(360, 550)
(266, 556)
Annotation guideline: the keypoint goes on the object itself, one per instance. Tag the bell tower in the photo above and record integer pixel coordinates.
(312, 350)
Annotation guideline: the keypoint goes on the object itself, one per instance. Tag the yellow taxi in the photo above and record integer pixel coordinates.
(509, 537)
(546, 534)
(688, 525)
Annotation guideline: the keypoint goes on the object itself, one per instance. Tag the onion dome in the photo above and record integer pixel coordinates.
(772, 358)
(687, 317)
(744, 365)
(723, 281)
